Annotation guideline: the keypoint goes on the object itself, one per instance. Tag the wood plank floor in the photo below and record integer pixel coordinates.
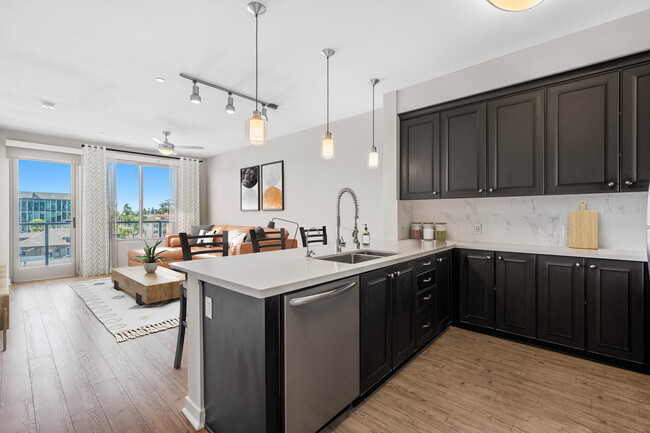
(63, 372)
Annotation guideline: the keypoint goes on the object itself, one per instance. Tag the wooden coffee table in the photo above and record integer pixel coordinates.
(162, 285)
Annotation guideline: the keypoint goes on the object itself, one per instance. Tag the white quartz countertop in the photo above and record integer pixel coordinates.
(277, 272)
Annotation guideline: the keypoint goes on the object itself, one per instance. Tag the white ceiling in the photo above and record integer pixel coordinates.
(97, 60)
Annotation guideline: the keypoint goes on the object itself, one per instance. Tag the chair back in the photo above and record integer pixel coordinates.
(220, 242)
(314, 237)
(278, 236)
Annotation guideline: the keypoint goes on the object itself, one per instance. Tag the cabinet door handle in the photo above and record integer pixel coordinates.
(426, 264)
(629, 183)
(435, 193)
(499, 258)
(426, 298)
(426, 326)
(442, 259)
(391, 275)
(428, 280)
(480, 190)
(578, 265)
(398, 273)
(488, 257)
(611, 184)
(491, 190)
(592, 266)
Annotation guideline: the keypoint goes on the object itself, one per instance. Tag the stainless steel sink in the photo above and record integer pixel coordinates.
(354, 257)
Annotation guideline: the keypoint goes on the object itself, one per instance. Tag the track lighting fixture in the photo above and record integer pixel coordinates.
(373, 155)
(194, 97)
(327, 142)
(230, 107)
(264, 115)
(256, 123)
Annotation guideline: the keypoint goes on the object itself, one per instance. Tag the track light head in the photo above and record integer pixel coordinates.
(195, 98)
(230, 107)
(264, 115)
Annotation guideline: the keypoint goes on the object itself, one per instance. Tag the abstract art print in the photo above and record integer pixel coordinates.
(250, 188)
(273, 186)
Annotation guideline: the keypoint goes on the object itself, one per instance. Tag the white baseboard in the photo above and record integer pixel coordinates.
(194, 414)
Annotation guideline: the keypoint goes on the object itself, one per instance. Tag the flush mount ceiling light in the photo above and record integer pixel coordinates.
(195, 98)
(48, 105)
(230, 106)
(373, 155)
(160, 79)
(327, 142)
(256, 123)
(514, 5)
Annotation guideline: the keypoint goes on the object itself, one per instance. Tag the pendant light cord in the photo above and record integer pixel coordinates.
(328, 95)
(373, 117)
(256, 66)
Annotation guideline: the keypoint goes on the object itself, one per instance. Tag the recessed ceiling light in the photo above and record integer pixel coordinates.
(160, 79)
(48, 105)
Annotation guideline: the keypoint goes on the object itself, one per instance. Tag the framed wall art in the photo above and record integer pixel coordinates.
(250, 188)
(273, 186)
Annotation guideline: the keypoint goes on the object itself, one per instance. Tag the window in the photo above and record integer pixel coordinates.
(142, 201)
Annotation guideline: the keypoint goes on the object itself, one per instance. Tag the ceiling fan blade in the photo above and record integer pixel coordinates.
(189, 147)
(157, 140)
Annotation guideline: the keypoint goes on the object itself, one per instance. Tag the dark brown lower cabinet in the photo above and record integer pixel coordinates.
(561, 300)
(477, 287)
(443, 300)
(388, 320)
(515, 294)
(615, 308)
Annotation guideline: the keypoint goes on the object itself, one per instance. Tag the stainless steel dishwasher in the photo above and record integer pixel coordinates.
(321, 353)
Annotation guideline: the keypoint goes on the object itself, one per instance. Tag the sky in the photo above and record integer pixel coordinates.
(38, 176)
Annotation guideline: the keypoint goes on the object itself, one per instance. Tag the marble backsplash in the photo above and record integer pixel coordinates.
(537, 220)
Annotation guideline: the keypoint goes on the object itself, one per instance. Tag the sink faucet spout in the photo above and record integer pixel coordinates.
(355, 233)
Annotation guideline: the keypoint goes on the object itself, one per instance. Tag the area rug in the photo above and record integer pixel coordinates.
(119, 313)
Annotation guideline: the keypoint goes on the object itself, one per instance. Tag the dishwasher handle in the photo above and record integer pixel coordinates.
(296, 302)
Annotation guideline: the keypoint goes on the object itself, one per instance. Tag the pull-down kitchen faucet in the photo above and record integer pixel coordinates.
(355, 233)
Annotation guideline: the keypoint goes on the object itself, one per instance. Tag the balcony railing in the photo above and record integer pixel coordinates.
(150, 229)
(44, 244)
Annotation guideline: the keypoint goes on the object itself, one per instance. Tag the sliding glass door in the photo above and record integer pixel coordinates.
(44, 241)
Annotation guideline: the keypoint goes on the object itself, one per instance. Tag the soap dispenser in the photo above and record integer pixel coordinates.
(365, 238)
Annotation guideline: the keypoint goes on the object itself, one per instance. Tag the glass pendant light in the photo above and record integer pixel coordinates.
(373, 155)
(514, 5)
(256, 130)
(327, 142)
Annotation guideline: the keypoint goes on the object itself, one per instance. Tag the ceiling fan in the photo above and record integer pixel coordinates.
(168, 148)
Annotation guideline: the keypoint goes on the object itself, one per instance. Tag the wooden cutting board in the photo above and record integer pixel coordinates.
(583, 228)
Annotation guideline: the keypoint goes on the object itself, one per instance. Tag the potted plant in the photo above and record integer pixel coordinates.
(150, 258)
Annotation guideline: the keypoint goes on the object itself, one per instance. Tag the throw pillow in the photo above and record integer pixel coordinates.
(237, 239)
(259, 231)
(206, 240)
(196, 230)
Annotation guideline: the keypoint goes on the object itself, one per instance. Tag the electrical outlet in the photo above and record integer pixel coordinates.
(477, 229)
(565, 231)
(208, 307)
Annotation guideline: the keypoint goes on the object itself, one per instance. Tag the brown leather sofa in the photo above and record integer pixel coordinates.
(172, 249)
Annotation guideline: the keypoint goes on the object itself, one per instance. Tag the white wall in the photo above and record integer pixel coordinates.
(310, 183)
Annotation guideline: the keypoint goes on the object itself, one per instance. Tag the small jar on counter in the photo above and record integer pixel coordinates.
(428, 231)
(416, 230)
(441, 232)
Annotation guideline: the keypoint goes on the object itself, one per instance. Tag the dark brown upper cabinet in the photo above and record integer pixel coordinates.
(420, 157)
(516, 145)
(515, 301)
(615, 308)
(635, 132)
(463, 152)
(561, 300)
(582, 135)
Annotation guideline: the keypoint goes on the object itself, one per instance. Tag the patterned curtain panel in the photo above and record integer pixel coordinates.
(187, 194)
(94, 227)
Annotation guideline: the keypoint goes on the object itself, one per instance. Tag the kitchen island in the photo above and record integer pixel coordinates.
(246, 293)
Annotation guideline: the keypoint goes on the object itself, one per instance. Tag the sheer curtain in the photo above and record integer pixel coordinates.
(94, 222)
(111, 208)
(185, 205)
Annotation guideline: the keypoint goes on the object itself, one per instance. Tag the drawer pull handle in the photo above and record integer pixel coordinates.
(629, 182)
(592, 266)
(398, 273)
(488, 257)
(428, 280)
(426, 298)
(426, 326)
(578, 265)
(611, 184)
(426, 264)
(499, 258)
